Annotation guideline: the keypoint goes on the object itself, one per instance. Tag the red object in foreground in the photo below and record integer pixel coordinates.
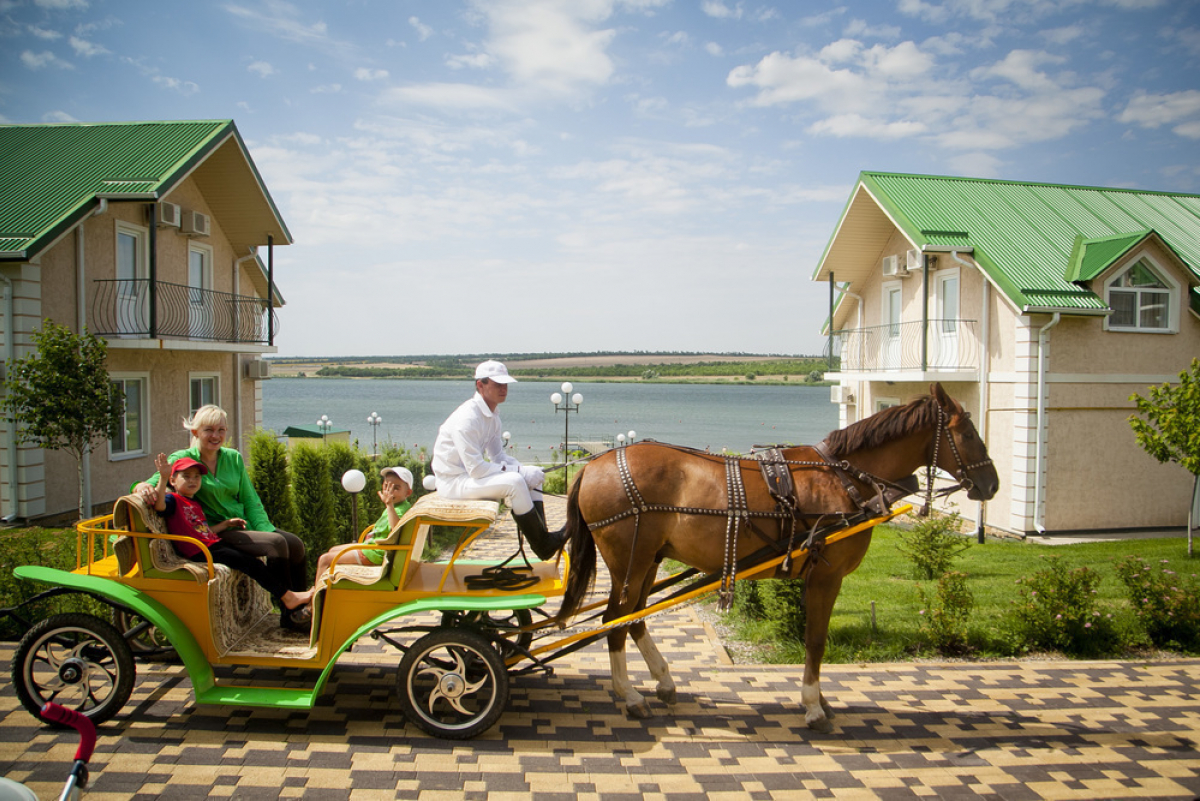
(80, 723)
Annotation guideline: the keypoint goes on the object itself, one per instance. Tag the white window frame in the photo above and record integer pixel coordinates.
(195, 329)
(216, 380)
(882, 403)
(144, 413)
(141, 236)
(1172, 290)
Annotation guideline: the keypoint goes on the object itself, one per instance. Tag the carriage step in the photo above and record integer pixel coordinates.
(278, 697)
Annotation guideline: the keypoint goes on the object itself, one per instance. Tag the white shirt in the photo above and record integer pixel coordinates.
(469, 444)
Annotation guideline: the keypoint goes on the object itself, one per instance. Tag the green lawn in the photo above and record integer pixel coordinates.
(994, 568)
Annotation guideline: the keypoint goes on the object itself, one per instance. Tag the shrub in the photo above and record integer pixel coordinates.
(1057, 611)
(38, 546)
(313, 492)
(341, 458)
(932, 545)
(268, 468)
(944, 616)
(1165, 603)
(782, 602)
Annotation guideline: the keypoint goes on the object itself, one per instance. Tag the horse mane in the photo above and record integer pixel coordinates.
(884, 426)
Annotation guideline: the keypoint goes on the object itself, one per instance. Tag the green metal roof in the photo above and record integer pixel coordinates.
(1035, 241)
(52, 176)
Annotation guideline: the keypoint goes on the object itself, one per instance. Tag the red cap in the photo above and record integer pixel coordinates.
(185, 463)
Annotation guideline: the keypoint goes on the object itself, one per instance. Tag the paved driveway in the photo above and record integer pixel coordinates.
(1086, 730)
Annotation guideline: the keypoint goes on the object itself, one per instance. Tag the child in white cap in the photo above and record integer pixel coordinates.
(397, 488)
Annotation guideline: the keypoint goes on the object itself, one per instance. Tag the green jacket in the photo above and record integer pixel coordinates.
(227, 492)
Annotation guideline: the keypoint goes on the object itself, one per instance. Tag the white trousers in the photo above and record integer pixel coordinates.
(509, 487)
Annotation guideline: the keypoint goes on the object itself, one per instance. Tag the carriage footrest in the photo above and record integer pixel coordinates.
(278, 697)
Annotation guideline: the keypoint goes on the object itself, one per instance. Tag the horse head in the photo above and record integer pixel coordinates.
(958, 449)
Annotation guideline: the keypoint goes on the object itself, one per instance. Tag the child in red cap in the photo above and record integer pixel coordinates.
(185, 518)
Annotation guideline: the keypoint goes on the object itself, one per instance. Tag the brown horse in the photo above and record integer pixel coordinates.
(648, 502)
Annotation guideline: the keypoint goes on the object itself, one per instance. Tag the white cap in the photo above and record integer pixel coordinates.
(495, 371)
(402, 473)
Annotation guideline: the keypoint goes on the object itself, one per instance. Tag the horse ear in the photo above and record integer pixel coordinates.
(935, 389)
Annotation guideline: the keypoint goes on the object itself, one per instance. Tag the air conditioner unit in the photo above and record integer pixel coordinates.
(194, 223)
(892, 268)
(169, 215)
(258, 370)
(914, 260)
(840, 393)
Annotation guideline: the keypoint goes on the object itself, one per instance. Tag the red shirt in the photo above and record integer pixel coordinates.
(185, 518)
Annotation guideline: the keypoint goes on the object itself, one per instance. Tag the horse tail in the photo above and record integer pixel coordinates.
(583, 555)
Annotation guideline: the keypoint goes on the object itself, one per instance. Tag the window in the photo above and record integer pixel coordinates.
(203, 391)
(134, 434)
(132, 296)
(200, 301)
(1142, 299)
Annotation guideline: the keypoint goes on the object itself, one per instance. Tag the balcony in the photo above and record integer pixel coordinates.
(122, 308)
(937, 349)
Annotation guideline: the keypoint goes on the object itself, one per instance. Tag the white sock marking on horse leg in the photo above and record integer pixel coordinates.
(658, 666)
(810, 696)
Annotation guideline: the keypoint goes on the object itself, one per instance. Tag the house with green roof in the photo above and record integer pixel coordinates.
(159, 238)
(1042, 308)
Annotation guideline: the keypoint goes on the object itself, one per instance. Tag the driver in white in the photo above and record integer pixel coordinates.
(470, 463)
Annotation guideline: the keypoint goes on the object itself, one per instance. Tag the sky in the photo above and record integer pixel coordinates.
(508, 176)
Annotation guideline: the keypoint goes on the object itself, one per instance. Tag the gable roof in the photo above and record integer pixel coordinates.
(1033, 241)
(53, 176)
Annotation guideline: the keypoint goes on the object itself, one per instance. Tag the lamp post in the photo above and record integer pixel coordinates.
(506, 436)
(353, 482)
(374, 420)
(626, 439)
(325, 425)
(566, 403)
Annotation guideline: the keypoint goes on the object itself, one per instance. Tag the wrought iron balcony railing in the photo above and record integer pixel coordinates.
(939, 345)
(122, 308)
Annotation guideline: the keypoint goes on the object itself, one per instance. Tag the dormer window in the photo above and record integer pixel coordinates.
(1142, 299)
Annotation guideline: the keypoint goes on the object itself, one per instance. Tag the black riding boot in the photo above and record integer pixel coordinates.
(541, 510)
(544, 543)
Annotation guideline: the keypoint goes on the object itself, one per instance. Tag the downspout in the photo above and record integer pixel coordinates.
(1039, 440)
(861, 345)
(81, 326)
(984, 386)
(237, 357)
(10, 425)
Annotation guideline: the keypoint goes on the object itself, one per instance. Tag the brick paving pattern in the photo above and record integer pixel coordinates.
(1011, 730)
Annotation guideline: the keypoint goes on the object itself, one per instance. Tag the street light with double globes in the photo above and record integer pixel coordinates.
(626, 439)
(353, 481)
(373, 421)
(325, 425)
(566, 403)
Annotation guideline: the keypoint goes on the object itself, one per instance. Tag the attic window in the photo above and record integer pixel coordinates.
(1142, 299)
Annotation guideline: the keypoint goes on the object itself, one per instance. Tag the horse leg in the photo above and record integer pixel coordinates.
(819, 597)
(665, 687)
(636, 705)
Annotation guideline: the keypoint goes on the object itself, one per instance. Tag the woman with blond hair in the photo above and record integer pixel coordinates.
(226, 493)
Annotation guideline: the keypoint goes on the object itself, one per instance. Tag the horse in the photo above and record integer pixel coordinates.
(639, 504)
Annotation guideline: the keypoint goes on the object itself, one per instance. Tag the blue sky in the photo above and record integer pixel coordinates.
(466, 176)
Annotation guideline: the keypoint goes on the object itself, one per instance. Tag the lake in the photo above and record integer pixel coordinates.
(715, 416)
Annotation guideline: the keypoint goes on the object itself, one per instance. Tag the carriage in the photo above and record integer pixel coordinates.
(466, 627)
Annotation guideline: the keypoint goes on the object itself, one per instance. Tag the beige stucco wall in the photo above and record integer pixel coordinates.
(47, 288)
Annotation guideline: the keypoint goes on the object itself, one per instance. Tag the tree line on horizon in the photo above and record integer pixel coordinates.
(470, 360)
(800, 367)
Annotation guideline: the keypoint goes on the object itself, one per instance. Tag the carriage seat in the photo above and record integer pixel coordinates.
(236, 604)
(403, 546)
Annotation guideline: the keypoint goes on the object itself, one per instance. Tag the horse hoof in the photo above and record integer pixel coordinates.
(821, 725)
(827, 709)
(639, 711)
(667, 696)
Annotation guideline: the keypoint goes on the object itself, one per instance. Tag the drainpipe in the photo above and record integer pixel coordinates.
(984, 386)
(81, 325)
(237, 359)
(1039, 440)
(10, 425)
(861, 345)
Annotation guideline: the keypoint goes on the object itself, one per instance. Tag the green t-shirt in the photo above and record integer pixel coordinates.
(382, 530)
(227, 492)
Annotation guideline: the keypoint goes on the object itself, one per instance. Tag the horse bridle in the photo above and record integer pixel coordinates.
(963, 472)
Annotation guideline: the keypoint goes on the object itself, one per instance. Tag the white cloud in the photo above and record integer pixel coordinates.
(717, 9)
(858, 27)
(423, 30)
(714, 49)
(85, 48)
(449, 96)
(58, 116)
(844, 125)
(1064, 35)
(1020, 67)
(261, 68)
(62, 5)
(326, 89)
(176, 85)
(44, 59)
(44, 33)
(472, 61)
(1152, 111)
(366, 74)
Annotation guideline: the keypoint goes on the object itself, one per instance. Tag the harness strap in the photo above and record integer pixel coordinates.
(735, 492)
